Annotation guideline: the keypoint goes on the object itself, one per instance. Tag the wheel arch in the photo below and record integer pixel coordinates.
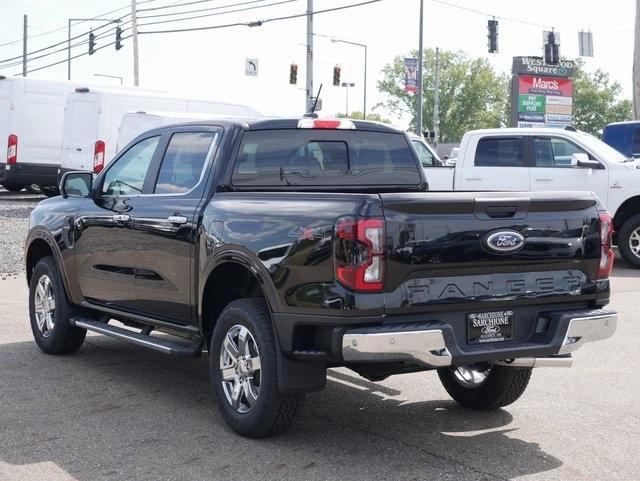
(41, 244)
(229, 276)
(628, 208)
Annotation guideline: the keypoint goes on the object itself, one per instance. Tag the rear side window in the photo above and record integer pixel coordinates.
(500, 152)
(183, 162)
(426, 158)
(318, 157)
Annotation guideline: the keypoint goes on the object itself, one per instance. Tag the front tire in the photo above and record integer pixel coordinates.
(13, 187)
(483, 386)
(629, 240)
(243, 368)
(49, 311)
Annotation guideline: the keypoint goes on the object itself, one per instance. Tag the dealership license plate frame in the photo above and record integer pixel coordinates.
(490, 327)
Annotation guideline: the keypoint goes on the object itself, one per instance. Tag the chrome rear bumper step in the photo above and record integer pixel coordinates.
(166, 346)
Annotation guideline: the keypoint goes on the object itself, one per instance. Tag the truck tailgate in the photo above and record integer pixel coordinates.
(443, 254)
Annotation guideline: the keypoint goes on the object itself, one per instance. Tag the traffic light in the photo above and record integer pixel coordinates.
(92, 43)
(336, 76)
(118, 38)
(551, 48)
(293, 74)
(493, 36)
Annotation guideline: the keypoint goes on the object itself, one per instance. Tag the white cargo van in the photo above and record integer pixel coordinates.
(93, 117)
(135, 123)
(31, 118)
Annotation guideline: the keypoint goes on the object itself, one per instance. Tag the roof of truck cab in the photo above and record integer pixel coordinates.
(521, 131)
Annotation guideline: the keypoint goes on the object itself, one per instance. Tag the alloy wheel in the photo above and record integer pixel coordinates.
(634, 242)
(45, 305)
(240, 368)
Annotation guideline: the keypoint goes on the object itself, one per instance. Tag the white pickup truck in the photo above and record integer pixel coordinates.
(550, 159)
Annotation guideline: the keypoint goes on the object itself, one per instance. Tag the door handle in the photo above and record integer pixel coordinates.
(473, 178)
(121, 217)
(177, 219)
(544, 179)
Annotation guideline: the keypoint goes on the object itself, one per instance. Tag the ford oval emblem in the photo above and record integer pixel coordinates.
(504, 242)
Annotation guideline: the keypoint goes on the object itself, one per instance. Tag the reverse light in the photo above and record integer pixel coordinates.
(606, 242)
(326, 124)
(359, 253)
(12, 149)
(98, 156)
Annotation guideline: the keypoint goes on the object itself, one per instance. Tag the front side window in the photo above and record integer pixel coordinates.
(424, 154)
(183, 162)
(126, 176)
(500, 152)
(554, 152)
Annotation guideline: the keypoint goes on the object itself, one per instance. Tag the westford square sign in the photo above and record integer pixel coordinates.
(542, 95)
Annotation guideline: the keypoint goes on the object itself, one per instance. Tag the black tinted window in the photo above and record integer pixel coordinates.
(636, 142)
(500, 152)
(324, 157)
(183, 162)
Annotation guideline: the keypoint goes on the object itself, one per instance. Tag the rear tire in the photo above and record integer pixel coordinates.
(49, 191)
(629, 240)
(498, 386)
(33, 189)
(50, 312)
(13, 187)
(248, 398)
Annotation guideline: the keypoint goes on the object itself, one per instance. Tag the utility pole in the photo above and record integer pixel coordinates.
(436, 99)
(134, 34)
(636, 65)
(309, 99)
(24, 45)
(420, 62)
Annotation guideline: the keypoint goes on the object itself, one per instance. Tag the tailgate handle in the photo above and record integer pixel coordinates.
(501, 211)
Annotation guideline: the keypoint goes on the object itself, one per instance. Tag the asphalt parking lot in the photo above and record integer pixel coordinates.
(114, 411)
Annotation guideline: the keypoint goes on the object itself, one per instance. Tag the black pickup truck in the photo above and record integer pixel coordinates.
(284, 247)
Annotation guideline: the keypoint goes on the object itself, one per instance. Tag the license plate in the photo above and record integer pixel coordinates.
(484, 327)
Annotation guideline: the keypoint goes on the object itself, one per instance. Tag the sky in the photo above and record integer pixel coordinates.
(211, 63)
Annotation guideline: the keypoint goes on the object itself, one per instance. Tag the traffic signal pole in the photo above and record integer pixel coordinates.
(24, 46)
(420, 62)
(309, 99)
(134, 41)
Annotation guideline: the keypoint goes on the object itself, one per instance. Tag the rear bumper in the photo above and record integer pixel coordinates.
(29, 173)
(432, 346)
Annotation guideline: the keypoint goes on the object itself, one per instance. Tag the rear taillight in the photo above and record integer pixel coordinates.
(359, 253)
(12, 149)
(606, 253)
(98, 156)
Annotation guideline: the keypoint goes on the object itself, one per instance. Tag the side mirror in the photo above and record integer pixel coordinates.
(446, 157)
(76, 184)
(580, 159)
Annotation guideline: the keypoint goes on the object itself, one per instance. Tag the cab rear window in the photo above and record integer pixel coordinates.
(319, 157)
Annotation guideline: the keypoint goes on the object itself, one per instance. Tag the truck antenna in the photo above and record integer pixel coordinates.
(315, 104)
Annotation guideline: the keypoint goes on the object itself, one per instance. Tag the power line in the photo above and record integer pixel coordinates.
(13, 42)
(72, 58)
(64, 41)
(174, 5)
(260, 22)
(201, 9)
(254, 7)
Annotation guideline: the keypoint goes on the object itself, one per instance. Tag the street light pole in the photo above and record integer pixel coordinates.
(364, 106)
(420, 62)
(134, 42)
(309, 99)
(347, 85)
(71, 20)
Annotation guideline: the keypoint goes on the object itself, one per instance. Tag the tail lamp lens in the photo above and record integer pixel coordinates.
(606, 253)
(360, 253)
(12, 149)
(98, 156)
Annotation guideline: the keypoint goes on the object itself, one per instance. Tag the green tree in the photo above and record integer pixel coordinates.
(596, 100)
(472, 94)
(357, 115)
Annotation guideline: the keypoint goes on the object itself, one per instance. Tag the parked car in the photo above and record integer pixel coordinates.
(31, 115)
(437, 178)
(554, 160)
(287, 246)
(93, 117)
(624, 137)
(452, 158)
